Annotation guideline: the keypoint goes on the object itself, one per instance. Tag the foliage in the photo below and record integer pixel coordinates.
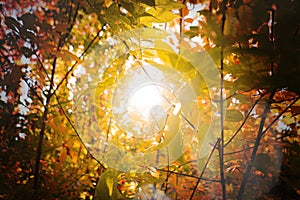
(255, 45)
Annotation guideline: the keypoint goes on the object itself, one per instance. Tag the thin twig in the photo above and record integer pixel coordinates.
(188, 175)
(255, 148)
(221, 143)
(81, 56)
(61, 42)
(73, 127)
(33, 91)
(241, 126)
(205, 166)
(239, 151)
(272, 40)
(278, 116)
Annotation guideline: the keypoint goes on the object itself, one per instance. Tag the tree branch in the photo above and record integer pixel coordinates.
(255, 148)
(188, 175)
(205, 166)
(61, 42)
(221, 143)
(278, 116)
(81, 56)
(73, 127)
(243, 123)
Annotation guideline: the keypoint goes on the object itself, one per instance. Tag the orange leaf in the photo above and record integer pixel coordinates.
(189, 20)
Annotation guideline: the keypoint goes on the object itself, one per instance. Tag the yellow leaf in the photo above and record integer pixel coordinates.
(154, 172)
(107, 3)
(159, 15)
(103, 85)
(153, 34)
(162, 45)
(149, 53)
(109, 184)
(169, 4)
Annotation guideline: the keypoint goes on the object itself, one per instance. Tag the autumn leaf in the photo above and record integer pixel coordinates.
(28, 20)
(169, 4)
(233, 116)
(159, 15)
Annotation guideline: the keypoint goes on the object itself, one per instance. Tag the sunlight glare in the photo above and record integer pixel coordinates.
(147, 103)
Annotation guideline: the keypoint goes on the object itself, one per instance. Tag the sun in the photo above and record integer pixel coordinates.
(148, 105)
(145, 99)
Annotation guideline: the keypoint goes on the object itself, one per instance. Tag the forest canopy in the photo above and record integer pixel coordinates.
(149, 99)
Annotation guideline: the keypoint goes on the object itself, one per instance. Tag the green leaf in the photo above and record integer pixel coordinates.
(159, 44)
(231, 23)
(125, 20)
(101, 191)
(111, 15)
(130, 7)
(104, 186)
(194, 31)
(233, 116)
(173, 136)
(175, 61)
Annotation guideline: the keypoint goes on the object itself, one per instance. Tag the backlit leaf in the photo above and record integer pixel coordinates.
(153, 34)
(159, 15)
(103, 85)
(169, 4)
(109, 184)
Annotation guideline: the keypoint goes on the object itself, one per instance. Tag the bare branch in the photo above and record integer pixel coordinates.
(81, 56)
(255, 148)
(75, 130)
(243, 123)
(205, 166)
